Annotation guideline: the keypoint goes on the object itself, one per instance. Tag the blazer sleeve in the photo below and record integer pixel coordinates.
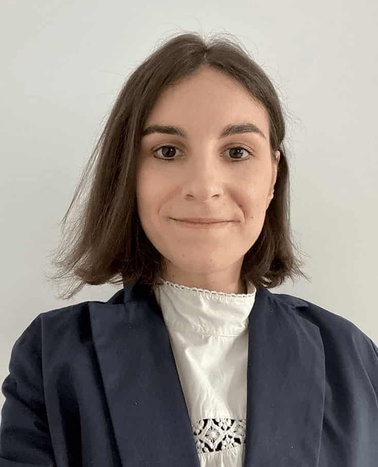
(24, 431)
(373, 368)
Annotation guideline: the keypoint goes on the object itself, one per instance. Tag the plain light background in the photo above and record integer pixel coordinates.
(63, 63)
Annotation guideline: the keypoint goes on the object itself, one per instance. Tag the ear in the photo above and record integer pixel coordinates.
(275, 164)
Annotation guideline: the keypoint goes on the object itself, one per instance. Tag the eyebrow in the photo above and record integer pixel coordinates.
(227, 131)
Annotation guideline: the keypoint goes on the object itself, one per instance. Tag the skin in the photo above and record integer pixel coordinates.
(204, 179)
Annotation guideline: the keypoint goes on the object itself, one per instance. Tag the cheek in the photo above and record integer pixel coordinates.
(147, 186)
(252, 199)
(143, 194)
(150, 193)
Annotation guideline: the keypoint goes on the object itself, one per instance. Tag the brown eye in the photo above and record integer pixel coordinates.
(242, 149)
(168, 151)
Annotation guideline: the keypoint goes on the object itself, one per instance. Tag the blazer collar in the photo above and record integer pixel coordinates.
(285, 382)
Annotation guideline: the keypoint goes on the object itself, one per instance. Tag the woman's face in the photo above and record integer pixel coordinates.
(205, 175)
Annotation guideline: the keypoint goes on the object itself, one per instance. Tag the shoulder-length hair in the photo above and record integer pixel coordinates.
(106, 242)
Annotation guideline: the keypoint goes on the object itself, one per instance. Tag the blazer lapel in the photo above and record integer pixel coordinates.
(286, 384)
(146, 401)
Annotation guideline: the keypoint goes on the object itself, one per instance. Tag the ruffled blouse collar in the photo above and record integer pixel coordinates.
(191, 309)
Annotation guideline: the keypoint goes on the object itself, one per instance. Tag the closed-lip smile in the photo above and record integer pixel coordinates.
(201, 220)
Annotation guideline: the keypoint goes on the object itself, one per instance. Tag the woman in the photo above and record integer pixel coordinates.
(194, 362)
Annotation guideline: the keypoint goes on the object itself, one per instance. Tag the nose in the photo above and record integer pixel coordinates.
(203, 180)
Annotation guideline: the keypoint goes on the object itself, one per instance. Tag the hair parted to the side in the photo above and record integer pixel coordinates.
(106, 243)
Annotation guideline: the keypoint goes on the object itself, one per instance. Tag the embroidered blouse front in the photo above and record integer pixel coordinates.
(208, 332)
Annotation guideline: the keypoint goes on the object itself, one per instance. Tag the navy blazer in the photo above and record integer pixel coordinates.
(95, 384)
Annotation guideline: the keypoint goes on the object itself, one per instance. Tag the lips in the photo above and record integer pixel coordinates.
(201, 221)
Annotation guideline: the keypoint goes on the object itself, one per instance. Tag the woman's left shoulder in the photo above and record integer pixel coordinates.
(338, 333)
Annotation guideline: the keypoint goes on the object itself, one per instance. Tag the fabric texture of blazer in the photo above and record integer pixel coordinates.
(95, 384)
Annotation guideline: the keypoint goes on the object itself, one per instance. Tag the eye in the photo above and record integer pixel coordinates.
(165, 153)
(243, 149)
(170, 153)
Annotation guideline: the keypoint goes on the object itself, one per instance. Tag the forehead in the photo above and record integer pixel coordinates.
(207, 101)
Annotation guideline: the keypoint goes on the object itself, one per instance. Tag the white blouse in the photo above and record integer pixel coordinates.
(208, 332)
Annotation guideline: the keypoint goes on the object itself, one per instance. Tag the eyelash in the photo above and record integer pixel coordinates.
(250, 154)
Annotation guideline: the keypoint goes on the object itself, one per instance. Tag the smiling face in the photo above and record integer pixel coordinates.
(204, 174)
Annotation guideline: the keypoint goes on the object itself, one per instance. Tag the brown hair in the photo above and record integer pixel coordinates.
(106, 243)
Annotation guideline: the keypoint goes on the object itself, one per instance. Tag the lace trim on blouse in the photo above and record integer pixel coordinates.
(206, 292)
(218, 434)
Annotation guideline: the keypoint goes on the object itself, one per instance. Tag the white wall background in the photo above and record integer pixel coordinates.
(62, 66)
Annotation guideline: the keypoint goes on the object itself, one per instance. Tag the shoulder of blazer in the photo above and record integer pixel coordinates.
(61, 324)
(344, 343)
(326, 320)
